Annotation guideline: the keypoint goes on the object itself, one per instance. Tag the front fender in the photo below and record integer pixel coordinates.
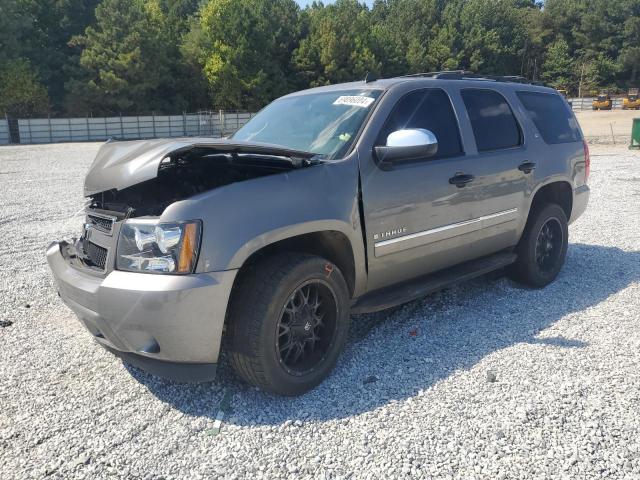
(288, 232)
(241, 218)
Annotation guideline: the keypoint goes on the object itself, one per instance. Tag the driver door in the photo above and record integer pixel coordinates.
(414, 215)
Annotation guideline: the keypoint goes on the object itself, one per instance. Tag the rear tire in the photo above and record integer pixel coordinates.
(543, 247)
(288, 322)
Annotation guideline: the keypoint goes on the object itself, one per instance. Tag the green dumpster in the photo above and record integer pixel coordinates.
(635, 134)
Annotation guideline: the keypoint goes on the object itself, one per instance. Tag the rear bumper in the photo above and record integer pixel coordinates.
(580, 201)
(169, 325)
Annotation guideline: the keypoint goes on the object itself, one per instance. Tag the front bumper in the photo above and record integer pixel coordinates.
(169, 325)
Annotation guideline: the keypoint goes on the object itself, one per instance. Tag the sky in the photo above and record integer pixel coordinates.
(304, 3)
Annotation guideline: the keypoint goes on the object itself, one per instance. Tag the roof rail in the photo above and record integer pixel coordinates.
(441, 74)
(467, 75)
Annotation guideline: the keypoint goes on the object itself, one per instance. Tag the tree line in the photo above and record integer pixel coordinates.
(102, 57)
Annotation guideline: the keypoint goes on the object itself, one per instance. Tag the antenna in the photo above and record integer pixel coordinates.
(370, 77)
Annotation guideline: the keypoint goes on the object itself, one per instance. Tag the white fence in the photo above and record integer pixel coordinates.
(210, 124)
(586, 103)
(52, 130)
(4, 132)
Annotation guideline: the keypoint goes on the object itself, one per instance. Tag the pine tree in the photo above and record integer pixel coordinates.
(244, 48)
(339, 45)
(126, 61)
(558, 67)
(21, 93)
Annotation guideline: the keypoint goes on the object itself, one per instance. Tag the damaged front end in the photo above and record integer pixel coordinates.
(180, 172)
(141, 179)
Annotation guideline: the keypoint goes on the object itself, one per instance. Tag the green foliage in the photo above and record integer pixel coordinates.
(21, 94)
(45, 40)
(128, 61)
(338, 46)
(493, 36)
(244, 48)
(13, 22)
(558, 67)
(137, 56)
(630, 53)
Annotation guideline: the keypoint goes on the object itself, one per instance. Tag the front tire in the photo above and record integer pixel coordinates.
(288, 322)
(543, 246)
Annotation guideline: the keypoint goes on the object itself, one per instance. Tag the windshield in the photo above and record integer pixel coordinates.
(322, 123)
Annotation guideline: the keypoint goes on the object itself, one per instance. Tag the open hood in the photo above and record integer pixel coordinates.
(121, 164)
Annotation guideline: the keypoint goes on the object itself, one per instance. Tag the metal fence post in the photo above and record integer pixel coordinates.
(121, 129)
(88, 129)
(221, 122)
(184, 124)
(50, 135)
(13, 129)
(153, 119)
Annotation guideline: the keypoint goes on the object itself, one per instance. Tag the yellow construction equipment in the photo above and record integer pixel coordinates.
(632, 100)
(602, 102)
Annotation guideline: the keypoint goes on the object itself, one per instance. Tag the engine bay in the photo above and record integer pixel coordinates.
(183, 174)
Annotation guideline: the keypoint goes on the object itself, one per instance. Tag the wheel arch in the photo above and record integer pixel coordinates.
(559, 192)
(332, 244)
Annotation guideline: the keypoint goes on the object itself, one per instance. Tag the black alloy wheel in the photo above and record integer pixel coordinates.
(549, 244)
(307, 327)
(288, 322)
(542, 247)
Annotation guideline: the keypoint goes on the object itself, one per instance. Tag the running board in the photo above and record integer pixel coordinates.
(422, 286)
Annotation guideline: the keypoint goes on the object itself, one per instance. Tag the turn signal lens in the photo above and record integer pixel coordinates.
(188, 248)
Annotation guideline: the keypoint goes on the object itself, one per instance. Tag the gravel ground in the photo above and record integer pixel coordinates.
(485, 380)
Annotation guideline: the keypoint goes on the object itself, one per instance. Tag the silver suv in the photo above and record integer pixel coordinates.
(335, 200)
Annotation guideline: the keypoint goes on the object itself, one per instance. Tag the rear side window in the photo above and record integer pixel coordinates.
(552, 117)
(493, 123)
(429, 109)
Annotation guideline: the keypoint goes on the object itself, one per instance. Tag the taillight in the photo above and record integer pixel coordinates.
(587, 161)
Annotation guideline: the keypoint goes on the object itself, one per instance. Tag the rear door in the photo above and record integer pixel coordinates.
(502, 167)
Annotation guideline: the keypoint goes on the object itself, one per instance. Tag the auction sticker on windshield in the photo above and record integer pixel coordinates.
(354, 100)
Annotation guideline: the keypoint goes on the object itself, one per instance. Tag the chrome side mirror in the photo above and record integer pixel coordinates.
(406, 145)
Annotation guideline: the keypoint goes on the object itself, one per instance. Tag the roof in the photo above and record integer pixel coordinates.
(432, 78)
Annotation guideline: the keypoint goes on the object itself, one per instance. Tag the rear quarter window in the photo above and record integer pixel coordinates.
(551, 116)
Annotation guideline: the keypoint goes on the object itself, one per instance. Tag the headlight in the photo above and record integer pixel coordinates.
(158, 247)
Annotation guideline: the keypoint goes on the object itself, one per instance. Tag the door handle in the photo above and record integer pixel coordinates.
(460, 179)
(527, 167)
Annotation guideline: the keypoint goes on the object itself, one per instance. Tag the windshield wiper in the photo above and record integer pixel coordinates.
(295, 162)
(258, 159)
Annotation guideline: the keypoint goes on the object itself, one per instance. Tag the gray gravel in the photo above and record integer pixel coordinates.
(485, 380)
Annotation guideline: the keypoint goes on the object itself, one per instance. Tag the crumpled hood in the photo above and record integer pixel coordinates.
(121, 164)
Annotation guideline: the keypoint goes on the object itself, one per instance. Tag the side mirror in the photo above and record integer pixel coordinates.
(406, 145)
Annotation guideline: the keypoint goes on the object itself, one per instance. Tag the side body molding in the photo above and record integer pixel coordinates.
(445, 232)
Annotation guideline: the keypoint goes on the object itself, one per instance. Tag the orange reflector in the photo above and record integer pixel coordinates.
(188, 248)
